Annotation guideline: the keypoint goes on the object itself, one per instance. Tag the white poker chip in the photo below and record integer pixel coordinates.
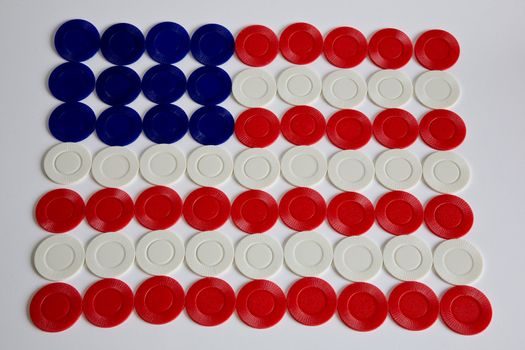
(254, 87)
(389, 88)
(258, 256)
(308, 253)
(437, 89)
(110, 255)
(350, 170)
(398, 169)
(446, 172)
(209, 166)
(299, 85)
(357, 258)
(67, 163)
(407, 258)
(159, 252)
(256, 168)
(209, 253)
(115, 167)
(59, 257)
(458, 262)
(344, 89)
(303, 166)
(162, 164)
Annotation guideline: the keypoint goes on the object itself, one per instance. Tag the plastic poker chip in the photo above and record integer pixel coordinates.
(159, 252)
(437, 49)
(162, 164)
(211, 125)
(350, 213)
(311, 301)
(261, 304)
(357, 258)
(350, 170)
(109, 210)
(303, 166)
(302, 209)
(209, 85)
(257, 127)
(67, 163)
(254, 211)
(458, 262)
(55, 307)
(165, 123)
(407, 258)
(395, 128)
(446, 172)
(167, 42)
(108, 303)
(362, 307)
(71, 82)
(163, 83)
(256, 45)
(398, 169)
(259, 256)
(437, 89)
(122, 44)
(256, 168)
(209, 253)
(209, 165)
(448, 216)
(115, 167)
(59, 257)
(159, 300)
(301, 43)
(390, 88)
(212, 44)
(119, 126)
(254, 87)
(72, 122)
(77, 40)
(465, 310)
(210, 301)
(390, 48)
(442, 129)
(303, 125)
(118, 85)
(299, 85)
(158, 208)
(399, 213)
(344, 89)
(308, 253)
(60, 210)
(206, 208)
(349, 129)
(110, 255)
(345, 47)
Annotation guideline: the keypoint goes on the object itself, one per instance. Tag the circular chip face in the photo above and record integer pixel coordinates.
(413, 306)
(399, 213)
(122, 44)
(261, 304)
(209, 85)
(303, 125)
(258, 256)
(437, 89)
(350, 213)
(163, 83)
(458, 262)
(256, 168)
(257, 127)
(350, 170)
(67, 163)
(72, 122)
(118, 85)
(390, 48)
(301, 43)
(167, 42)
(165, 123)
(407, 258)
(119, 126)
(212, 44)
(446, 172)
(60, 210)
(442, 129)
(209, 253)
(212, 125)
(345, 47)
(206, 208)
(303, 166)
(465, 310)
(109, 210)
(308, 253)
(158, 208)
(162, 164)
(256, 46)
(437, 49)
(344, 89)
(311, 301)
(362, 306)
(448, 216)
(302, 209)
(71, 82)
(349, 129)
(160, 252)
(398, 169)
(59, 257)
(115, 167)
(254, 87)
(254, 211)
(209, 166)
(357, 259)
(299, 85)
(389, 88)
(55, 307)
(77, 40)
(110, 255)
(395, 128)
(108, 303)
(159, 300)
(210, 301)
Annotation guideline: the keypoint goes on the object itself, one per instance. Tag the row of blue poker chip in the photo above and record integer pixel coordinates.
(78, 40)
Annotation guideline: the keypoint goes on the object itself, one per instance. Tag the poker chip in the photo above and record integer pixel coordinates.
(209, 166)
(165, 123)
(59, 257)
(407, 258)
(303, 125)
(389, 88)
(437, 49)
(301, 43)
(437, 89)
(61, 78)
(362, 307)
(350, 170)
(118, 85)
(256, 168)
(446, 172)
(209, 253)
(109, 210)
(254, 211)
(254, 87)
(209, 85)
(302, 209)
(158, 208)
(163, 83)
(115, 167)
(261, 304)
(211, 125)
(349, 129)
(159, 252)
(110, 255)
(308, 254)
(119, 126)
(210, 301)
(108, 303)
(159, 300)
(162, 164)
(458, 262)
(72, 122)
(399, 213)
(442, 129)
(167, 42)
(303, 166)
(206, 208)
(448, 216)
(212, 44)
(59, 210)
(258, 256)
(350, 213)
(122, 44)
(55, 307)
(344, 89)
(395, 128)
(77, 40)
(413, 306)
(398, 169)
(256, 46)
(311, 301)
(299, 85)
(357, 258)
(67, 163)
(257, 127)
(345, 47)
(390, 48)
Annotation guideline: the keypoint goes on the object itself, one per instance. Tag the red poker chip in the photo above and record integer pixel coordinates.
(345, 47)
(437, 49)
(257, 127)
(399, 213)
(256, 45)
(311, 301)
(350, 213)
(362, 306)
(210, 301)
(158, 208)
(60, 210)
(55, 307)
(303, 125)
(465, 310)
(413, 306)
(254, 211)
(301, 43)
(206, 208)
(349, 129)
(448, 216)
(390, 48)
(261, 304)
(302, 209)
(159, 300)
(395, 128)
(109, 210)
(442, 129)
(108, 303)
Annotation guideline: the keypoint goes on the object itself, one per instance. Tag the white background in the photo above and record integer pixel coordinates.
(490, 71)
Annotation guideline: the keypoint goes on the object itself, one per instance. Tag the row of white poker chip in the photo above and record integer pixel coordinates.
(345, 88)
(257, 168)
(258, 256)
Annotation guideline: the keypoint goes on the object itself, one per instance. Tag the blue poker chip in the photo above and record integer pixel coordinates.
(72, 122)
(122, 44)
(77, 40)
(211, 125)
(118, 85)
(119, 126)
(167, 42)
(165, 123)
(163, 83)
(71, 82)
(212, 44)
(209, 85)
